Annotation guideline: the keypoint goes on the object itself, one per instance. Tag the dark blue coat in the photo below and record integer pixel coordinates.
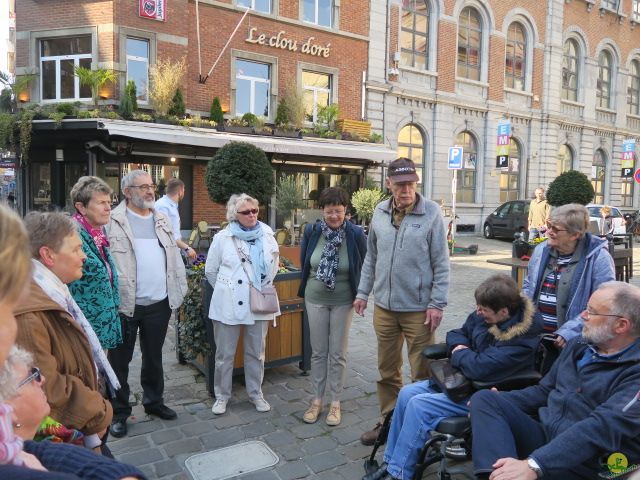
(356, 249)
(497, 351)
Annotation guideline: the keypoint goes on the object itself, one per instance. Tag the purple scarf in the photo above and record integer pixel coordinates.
(99, 238)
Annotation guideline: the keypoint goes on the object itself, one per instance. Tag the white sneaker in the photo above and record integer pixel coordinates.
(261, 404)
(219, 407)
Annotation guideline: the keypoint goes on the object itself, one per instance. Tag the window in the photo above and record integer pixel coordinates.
(603, 86)
(626, 192)
(510, 176)
(570, 71)
(253, 86)
(138, 66)
(636, 10)
(469, 44)
(414, 34)
(633, 88)
(257, 5)
(58, 58)
(316, 93)
(319, 12)
(564, 160)
(411, 145)
(515, 61)
(466, 190)
(598, 176)
(610, 4)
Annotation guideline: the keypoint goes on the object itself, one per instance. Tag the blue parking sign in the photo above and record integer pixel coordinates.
(455, 158)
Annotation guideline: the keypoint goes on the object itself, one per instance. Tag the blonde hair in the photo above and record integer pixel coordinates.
(605, 210)
(14, 256)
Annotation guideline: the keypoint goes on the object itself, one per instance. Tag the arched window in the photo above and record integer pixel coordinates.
(633, 88)
(515, 60)
(598, 175)
(414, 34)
(469, 44)
(565, 160)
(570, 71)
(510, 176)
(411, 145)
(603, 86)
(466, 189)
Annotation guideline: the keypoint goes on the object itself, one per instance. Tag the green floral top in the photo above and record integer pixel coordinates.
(97, 296)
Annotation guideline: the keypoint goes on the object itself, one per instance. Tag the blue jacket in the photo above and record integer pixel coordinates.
(581, 410)
(593, 267)
(356, 249)
(496, 351)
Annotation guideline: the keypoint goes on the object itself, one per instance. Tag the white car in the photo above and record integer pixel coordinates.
(619, 225)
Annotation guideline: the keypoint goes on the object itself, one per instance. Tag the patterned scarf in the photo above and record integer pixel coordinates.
(253, 237)
(99, 238)
(328, 266)
(10, 443)
(59, 293)
(53, 431)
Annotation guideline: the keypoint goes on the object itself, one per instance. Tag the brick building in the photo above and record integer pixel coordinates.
(320, 47)
(564, 74)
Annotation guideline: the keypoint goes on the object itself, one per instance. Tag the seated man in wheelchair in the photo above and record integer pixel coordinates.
(586, 415)
(498, 340)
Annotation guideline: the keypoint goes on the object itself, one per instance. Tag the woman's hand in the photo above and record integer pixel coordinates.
(30, 461)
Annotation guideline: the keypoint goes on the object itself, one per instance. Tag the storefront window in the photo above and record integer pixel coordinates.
(626, 192)
(41, 185)
(138, 66)
(317, 93)
(598, 176)
(411, 145)
(58, 58)
(510, 176)
(466, 188)
(253, 85)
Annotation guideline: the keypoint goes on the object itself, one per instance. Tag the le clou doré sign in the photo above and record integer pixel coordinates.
(280, 40)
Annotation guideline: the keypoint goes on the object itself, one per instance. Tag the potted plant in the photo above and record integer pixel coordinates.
(94, 79)
(191, 329)
(290, 197)
(283, 127)
(244, 124)
(216, 114)
(165, 77)
(365, 201)
(178, 108)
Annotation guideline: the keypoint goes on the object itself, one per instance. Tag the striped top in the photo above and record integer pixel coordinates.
(547, 300)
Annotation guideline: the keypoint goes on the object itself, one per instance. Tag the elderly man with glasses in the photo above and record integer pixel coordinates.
(586, 426)
(152, 283)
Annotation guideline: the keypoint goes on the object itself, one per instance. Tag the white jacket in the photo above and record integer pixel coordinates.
(230, 300)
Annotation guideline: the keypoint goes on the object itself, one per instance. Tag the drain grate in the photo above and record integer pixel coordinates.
(231, 461)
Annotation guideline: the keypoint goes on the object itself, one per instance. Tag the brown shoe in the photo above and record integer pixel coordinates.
(370, 437)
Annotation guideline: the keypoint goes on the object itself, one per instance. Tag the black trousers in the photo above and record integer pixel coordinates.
(152, 322)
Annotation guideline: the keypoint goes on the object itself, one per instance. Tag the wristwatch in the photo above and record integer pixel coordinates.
(533, 465)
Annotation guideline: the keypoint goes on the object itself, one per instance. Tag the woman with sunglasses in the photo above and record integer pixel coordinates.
(566, 269)
(21, 387)
(243, 255)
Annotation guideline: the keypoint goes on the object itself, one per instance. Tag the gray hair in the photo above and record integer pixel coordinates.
(236, 200)
(9, 378)
(626, 302)
(85, 187)
(128, 179)
(48, 229)
(573, 215)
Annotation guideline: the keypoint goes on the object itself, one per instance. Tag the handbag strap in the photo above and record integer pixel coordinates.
(239, 252)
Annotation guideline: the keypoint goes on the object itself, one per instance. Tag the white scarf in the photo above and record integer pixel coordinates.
(59, 293)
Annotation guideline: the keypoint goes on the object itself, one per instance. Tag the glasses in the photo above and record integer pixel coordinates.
(252, 211)
(144, 187)
(334, 213)
(555, 229)
(33, 375)
(595, 314)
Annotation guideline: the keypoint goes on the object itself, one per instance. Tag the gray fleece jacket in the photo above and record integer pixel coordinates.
(407, 268)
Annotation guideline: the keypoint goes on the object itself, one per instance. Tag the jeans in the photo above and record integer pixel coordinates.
(419, 410)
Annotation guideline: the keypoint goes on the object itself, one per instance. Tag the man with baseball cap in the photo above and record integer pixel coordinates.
(409, 280)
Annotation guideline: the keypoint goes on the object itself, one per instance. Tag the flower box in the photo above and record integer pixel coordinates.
(357, 127)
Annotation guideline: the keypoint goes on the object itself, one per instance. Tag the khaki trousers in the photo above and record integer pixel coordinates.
(391, 328)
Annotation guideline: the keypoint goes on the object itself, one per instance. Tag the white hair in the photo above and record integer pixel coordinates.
(8, 375)
(237, 200)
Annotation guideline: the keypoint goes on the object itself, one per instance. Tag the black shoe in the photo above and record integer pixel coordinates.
(118, 428)
(378, 474)
(161, 411)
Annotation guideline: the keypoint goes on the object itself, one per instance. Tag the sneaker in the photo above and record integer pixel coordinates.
(261, 404)
(219, 407)
(335, 416)
(312, 413)
(370, 437)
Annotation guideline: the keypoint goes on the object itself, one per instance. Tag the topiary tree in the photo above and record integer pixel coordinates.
(239, 167)
(216, 114)
(282, 114)
(132, 92)
(126, 106)
(570, 187)
(178, 108)
(365, 201)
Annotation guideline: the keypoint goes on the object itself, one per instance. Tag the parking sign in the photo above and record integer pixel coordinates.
(455, 158)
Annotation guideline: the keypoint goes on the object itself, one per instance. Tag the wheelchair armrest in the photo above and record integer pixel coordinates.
(435, 351)
(515, 382)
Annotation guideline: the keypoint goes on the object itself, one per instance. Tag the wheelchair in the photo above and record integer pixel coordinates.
(451, 440)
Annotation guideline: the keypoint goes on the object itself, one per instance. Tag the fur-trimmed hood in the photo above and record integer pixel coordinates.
(517, 325)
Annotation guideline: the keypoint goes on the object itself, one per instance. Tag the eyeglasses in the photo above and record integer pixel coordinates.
(334, 213)
(252, 211)
(33, 375)
(144, 187)
(595, 314)
(555, 229)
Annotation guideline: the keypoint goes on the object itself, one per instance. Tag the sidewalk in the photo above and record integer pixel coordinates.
(316, 451)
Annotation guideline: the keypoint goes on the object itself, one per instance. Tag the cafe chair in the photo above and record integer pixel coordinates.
(282, 236)
(205, 233)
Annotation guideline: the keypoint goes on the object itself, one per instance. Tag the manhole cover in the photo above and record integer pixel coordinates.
(231, 461)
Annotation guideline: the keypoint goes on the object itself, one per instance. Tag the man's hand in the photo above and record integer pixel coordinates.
(559, 342)
(512, 469)
(433, 317)
(360, 306)
(191, 253)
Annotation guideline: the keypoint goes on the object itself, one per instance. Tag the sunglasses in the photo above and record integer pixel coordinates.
(253, 211)
(555, 229)
(34, 374)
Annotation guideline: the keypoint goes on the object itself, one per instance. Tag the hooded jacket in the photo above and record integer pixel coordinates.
(498, 351)
(62, 352)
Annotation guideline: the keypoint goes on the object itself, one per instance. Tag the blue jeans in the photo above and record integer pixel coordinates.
(419, 410)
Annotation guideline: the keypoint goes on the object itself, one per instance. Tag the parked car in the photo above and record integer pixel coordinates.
(508, 219)
(619, 223)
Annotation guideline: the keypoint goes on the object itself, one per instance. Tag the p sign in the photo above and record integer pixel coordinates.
(455, 158)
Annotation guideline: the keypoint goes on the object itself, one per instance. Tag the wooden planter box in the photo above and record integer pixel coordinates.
(357, 127)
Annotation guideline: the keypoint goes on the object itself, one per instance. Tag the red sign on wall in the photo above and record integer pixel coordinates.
(153, 9)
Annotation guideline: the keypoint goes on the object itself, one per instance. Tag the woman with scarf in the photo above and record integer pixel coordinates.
(97, 291)
(331, 256)
(243, 255)
(54, 329)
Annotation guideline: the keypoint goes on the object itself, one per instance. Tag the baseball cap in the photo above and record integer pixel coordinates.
(402, 170)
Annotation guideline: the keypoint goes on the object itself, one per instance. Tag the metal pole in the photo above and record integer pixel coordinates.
(454, 187)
